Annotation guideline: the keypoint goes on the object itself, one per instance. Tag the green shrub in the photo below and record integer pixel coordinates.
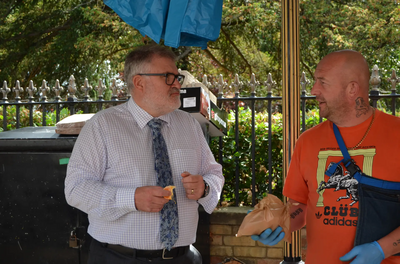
(36, 117)
(241, 155)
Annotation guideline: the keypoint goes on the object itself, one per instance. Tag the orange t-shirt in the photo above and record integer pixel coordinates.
(333, 212)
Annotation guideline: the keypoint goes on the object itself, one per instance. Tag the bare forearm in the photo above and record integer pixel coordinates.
(297, 215)
(391, 243)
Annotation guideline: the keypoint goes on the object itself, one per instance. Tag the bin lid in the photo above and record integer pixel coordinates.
(35, 139)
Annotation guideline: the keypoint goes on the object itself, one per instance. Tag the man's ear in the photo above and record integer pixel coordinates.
(138, 82)
(353, 90)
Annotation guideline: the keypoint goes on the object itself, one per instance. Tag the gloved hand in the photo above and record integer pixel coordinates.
(269, 237)
(370, 253)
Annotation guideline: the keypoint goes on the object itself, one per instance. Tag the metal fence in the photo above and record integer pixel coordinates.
(383, 95)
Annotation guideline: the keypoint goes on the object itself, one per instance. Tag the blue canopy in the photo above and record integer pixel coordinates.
(178, 22)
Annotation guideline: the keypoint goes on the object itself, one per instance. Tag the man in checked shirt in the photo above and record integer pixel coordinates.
(111, 173)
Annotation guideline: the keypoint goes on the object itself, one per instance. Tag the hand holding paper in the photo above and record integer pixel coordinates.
(268, 223)
(269, 237)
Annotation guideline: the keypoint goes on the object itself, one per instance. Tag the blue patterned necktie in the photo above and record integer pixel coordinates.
(169, 229)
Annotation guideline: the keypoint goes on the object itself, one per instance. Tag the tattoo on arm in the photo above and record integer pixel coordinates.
(396, 243)
(361, 107)
(296, 213)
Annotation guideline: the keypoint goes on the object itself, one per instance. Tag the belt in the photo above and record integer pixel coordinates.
(148, 254)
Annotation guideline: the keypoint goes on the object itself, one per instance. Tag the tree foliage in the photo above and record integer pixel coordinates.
(53, 39)
(49, 39)
(371, 27)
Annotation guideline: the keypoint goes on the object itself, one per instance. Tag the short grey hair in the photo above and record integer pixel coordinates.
(138, 61)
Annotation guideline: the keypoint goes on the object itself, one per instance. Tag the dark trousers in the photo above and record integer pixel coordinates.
(100, 254)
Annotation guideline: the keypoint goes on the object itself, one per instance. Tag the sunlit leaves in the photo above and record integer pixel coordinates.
(55, 39)
(366, 26)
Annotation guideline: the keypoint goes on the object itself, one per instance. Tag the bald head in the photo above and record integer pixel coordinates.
(342, 87)
(350, 66)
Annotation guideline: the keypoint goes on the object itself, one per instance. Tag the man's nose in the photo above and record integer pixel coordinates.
(177, 84)
(314, 89)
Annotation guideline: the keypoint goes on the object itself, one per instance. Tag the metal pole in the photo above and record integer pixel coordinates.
(291, 103)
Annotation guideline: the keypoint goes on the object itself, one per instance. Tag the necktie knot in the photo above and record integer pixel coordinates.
(155, 124)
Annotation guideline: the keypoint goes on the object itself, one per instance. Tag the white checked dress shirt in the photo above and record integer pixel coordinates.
(113, 156)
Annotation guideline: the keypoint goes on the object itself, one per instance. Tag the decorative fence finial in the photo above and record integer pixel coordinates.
(100, 90)
(17, 90)
(44, 89)
(114, 89)
(237, 84)
(394, 80)
(270, 83)
(253, 84)
(221, 85)
(5, 90)
(31, 89)
(375, 79)
(58, 89)
(71, 89)
(304, 82)
(86, 87)
(205, 81)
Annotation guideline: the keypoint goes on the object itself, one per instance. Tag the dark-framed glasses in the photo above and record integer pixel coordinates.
(169, 77)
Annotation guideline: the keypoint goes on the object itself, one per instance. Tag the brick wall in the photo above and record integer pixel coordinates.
(224, 224)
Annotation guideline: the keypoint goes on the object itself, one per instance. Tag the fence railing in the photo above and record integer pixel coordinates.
(380, 97)
(376, 93)
(37, 98)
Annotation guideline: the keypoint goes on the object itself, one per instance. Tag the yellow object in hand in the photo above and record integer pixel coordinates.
(169, 188)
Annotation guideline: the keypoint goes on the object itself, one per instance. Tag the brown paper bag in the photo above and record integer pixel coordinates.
(270, 212)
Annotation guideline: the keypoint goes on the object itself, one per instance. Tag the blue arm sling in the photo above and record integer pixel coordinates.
(355, 171)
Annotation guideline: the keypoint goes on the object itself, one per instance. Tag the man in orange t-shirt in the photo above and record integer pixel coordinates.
(330, 205)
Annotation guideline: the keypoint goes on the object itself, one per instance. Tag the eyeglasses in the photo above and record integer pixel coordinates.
(169, 77)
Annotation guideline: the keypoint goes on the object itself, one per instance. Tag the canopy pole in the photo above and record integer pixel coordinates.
(291, 103)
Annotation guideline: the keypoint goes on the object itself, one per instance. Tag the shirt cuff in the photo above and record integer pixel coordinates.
(126, 198)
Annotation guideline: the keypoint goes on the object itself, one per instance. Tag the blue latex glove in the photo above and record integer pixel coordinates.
(269, 237)
(370, 253)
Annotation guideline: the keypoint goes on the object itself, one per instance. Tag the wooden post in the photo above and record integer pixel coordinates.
(291, 102)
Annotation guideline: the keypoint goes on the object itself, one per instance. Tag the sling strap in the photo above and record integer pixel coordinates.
(354, 170)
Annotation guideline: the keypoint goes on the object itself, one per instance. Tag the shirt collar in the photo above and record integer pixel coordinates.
(142, 117)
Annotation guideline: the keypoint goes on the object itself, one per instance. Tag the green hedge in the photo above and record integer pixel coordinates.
(24, 117)
(243, 155)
